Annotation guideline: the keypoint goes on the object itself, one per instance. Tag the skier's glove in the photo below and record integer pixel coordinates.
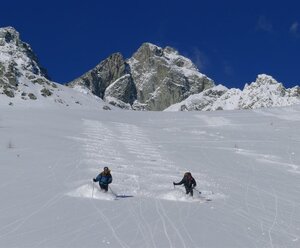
(94, 180)
(174, 183)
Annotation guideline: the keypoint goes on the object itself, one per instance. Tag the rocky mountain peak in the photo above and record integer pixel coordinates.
(263, 80)
(149, 52)
(152, 79)
(264, 85)
(163, 77)
(9, 35)
(18, 63)
(17, 56)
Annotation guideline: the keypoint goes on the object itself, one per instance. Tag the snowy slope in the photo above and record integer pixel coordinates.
(61, 97)
(248, 159)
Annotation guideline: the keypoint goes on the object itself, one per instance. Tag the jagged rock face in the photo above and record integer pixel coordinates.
(267, 92)
(13, 49)
(103, 75)
(153, 79)
(17, 60)
(163, 77)
(24, 82)
(122, 89)
(263, 93)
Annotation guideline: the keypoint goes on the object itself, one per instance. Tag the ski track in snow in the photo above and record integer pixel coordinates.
(259, 210)
(273, 225)
(141, 169)
(271, 159)
(280, 113)
(138, 167)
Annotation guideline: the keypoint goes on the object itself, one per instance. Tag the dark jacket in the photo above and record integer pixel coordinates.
(188, 181)
(104, 178)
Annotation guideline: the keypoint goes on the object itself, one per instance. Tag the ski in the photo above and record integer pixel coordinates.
(119, 195)
(205, 198)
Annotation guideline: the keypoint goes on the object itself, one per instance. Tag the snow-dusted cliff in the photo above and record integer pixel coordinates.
(24, 82)
(264, 92)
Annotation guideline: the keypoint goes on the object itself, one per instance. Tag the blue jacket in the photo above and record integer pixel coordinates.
(104, 179)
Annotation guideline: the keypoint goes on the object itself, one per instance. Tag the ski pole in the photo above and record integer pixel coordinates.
(93, 190)
(197, 190)
(112, 191)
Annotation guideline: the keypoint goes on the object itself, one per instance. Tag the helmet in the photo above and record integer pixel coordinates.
(105, 168)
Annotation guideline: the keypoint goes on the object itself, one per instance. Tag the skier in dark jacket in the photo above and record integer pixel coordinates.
(189, 183)
(104, 179)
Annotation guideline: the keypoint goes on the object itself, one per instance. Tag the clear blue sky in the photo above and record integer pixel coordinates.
(230, 41)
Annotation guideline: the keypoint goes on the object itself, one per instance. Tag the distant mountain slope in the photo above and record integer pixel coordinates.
(24, 82)
(264, 92)
(154, 78)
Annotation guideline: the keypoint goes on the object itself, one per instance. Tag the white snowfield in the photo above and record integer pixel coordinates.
(246, 162)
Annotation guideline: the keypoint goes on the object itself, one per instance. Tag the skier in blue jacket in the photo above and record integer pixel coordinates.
(104, 179)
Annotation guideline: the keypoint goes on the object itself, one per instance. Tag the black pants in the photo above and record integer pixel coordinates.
(104, 187)
(189, 190)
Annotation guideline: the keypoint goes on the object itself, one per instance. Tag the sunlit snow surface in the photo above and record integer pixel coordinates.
(246, 162)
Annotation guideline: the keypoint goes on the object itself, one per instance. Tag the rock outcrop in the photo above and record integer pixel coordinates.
(23, 81)
(152, 79)
(103, 75)
(263, 93)
(18, 62)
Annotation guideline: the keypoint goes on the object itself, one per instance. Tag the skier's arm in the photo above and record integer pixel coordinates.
(97, 179)
(194, 183)
(181, 182)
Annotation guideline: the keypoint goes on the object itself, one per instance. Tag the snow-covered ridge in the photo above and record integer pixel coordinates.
(154, 78)
(14, 52)
(263, 93)
(24, 82)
